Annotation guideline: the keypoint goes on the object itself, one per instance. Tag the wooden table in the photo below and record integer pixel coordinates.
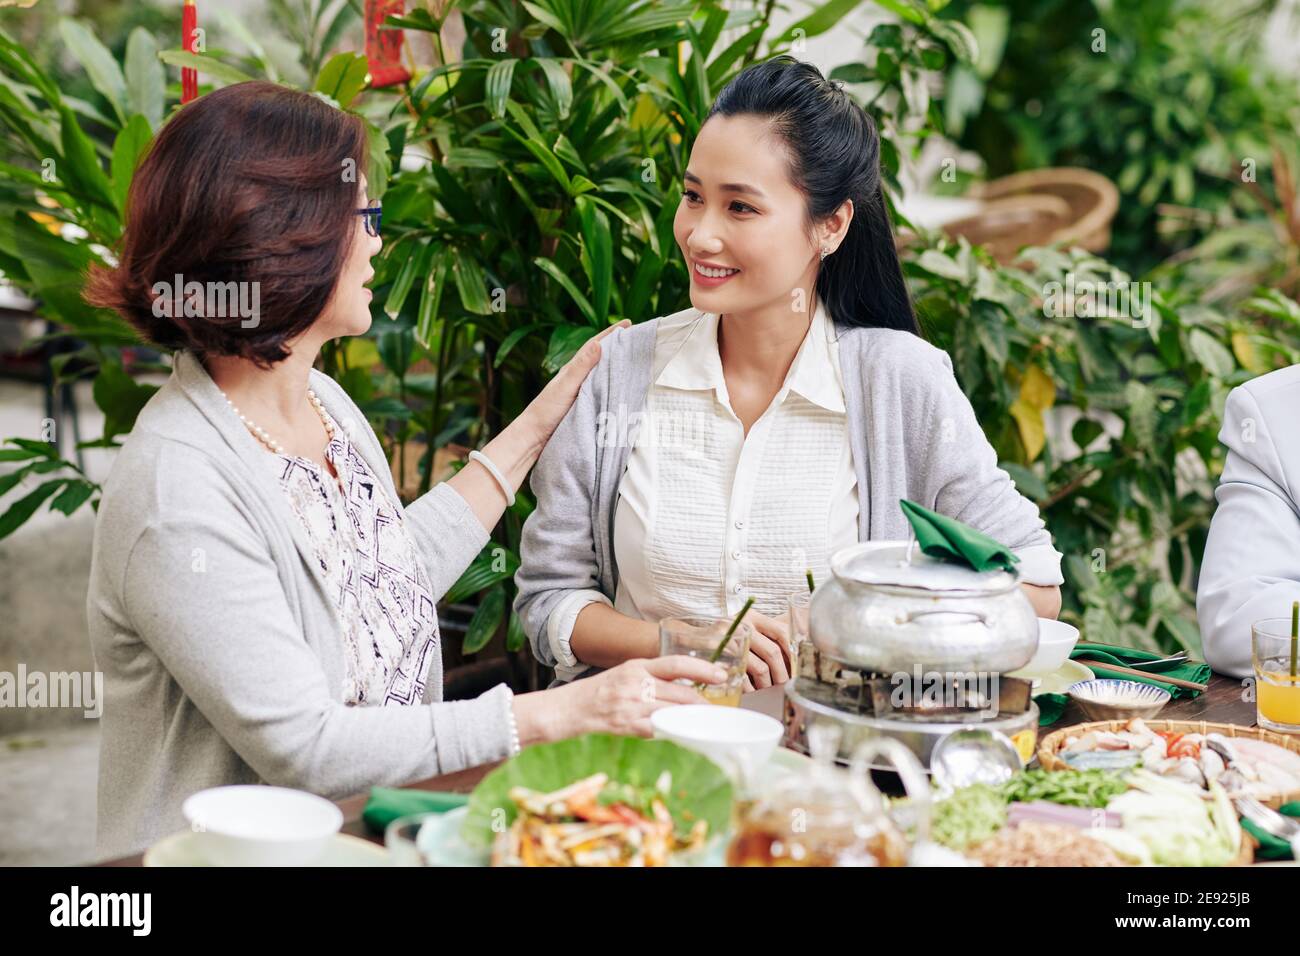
(1223, 703)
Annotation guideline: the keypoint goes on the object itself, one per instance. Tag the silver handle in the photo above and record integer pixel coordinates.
(915, 783)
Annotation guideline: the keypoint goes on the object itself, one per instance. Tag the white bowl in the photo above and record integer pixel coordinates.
(739, 741)
(1118, 699)
(1056, 640)
(261, 826)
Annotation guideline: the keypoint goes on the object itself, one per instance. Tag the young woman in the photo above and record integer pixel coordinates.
(780, 419)
(261, 604)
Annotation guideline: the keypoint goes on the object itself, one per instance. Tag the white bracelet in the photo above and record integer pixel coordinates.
(486, 462)
(514, 725)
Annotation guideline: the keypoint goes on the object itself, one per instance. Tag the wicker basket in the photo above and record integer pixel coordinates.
(1004, 225)
(1246, 855)
(1065, 205)
(1049, 745)
(1053, 742)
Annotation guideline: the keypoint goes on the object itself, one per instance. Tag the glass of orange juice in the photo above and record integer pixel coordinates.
(1277, 675)
(700, 637)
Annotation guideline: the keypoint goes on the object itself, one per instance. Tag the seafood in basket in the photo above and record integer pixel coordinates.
(1244, 765)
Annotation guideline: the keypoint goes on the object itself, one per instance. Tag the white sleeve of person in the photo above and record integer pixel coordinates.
(559, 627)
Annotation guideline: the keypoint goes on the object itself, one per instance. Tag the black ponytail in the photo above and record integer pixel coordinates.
(835, 152)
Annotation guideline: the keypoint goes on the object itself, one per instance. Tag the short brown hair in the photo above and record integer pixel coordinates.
(247, 184)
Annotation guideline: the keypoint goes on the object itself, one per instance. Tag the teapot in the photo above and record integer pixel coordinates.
(833, 817)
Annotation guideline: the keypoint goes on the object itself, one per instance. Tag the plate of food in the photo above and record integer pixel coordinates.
(595, 800)
(1093, 818)
(1245, 761)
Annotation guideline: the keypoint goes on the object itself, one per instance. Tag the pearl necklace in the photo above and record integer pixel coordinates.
(261, 434)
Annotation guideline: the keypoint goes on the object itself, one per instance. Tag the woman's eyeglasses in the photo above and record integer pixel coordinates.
(372, 216)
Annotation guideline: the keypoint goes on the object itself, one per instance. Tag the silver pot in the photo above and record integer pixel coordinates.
(888, 611)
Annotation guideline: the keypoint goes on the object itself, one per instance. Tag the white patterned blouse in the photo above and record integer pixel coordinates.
(378, 584)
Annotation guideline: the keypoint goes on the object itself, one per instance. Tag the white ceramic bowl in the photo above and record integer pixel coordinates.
(261, 826)
(1056, 640)
(1118, 699)
(739, 741)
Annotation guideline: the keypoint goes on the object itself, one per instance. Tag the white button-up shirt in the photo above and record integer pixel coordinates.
(708, 516)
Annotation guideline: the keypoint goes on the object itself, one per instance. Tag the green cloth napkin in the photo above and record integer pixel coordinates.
(1270, 847)
(949, 540)
(386, 805)
(1050, 706)
(1196, 671)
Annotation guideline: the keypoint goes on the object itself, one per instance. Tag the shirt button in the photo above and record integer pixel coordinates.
(736, 589)
(740, 524)
(735, 554)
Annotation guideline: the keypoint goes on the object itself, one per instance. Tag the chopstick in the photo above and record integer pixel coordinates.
(1175, 681)
(1179, 658)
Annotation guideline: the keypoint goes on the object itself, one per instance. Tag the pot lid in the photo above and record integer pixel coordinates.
(888, 564)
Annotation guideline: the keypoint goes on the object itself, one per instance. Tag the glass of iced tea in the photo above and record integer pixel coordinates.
(700, 637)
(1277, 675)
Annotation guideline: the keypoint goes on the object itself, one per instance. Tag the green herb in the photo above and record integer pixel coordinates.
(726, 638)
(969, 816)
(811, 587)
(1071, 788)
(640, 799)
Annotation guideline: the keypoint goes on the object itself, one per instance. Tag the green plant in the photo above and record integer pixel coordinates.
(61, 207)
(1172, 100)
(65, 493)
(1243, 250)
(67, 164)
(1108, 419)
(315, 27)
(893, 82)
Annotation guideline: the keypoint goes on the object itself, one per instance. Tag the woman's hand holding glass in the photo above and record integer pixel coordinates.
(617, 701)
(770, 660)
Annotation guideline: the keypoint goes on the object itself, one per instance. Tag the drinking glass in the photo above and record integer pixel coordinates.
(700, 637)
(1277, 684)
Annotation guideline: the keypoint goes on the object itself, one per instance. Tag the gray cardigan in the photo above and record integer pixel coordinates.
(218, 642)
(912, 432)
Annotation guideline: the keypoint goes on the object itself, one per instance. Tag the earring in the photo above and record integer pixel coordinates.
(825, 253)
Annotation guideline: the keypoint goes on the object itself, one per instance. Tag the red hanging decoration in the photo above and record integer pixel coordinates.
(384, 46)
(189, 76)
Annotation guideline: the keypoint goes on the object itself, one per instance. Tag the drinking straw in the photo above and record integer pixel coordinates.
(726, 638)
(1295, 635)
(808, 574)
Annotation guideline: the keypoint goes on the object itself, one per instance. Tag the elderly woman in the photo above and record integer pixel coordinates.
(261, 604)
